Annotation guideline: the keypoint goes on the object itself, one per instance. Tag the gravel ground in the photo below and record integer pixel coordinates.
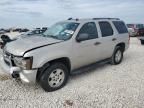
(106, 86)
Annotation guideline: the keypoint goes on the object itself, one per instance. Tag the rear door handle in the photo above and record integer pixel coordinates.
(114, 39)
(97, 43)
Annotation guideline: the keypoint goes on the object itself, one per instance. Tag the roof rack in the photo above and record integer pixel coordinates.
(106, 18)
(96, 19)
(73, 19)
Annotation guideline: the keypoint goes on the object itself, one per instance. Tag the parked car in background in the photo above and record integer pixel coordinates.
(139, 31)
(4, 40)
(36, 31)
(65, 47)
(141, 35)
(141, 38)
(2, 32)
(136, 27)
(29, 33)
(16, 30)
(7, 30)
(131, 32)
(24, 30)
(44, 28)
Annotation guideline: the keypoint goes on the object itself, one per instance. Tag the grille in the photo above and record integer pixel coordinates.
(8, 63)
(7, 58)
(7, 54)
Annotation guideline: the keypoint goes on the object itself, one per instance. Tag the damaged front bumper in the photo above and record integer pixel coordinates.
(26, 76)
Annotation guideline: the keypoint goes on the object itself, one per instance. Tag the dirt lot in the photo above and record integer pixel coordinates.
(106, 86)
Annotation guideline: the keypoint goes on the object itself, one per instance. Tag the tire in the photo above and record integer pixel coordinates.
(142, 42)
(115, 60)
(54, 77)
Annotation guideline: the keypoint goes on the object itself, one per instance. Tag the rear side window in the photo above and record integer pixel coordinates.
(90, 29)
(106, 29)
(120, 26)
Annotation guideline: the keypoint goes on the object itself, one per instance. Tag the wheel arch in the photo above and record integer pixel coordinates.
(122, 45)
(64, 60)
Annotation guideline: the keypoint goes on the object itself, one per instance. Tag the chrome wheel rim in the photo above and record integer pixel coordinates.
(56, 78)
(118, 56)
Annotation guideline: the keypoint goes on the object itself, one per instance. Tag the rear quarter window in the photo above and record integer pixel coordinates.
(120, 26)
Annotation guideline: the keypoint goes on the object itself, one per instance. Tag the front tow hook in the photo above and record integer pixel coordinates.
(15, 75)
(15, 72)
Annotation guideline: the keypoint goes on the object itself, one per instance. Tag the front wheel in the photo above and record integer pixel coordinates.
(117, 56)
(142, 42)
(54, 77)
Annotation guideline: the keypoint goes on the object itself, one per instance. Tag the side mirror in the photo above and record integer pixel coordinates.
(82, 37)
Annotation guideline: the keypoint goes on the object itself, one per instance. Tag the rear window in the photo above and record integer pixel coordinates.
(120, 26)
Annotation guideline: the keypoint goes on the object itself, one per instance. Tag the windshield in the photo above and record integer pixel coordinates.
(61, 31)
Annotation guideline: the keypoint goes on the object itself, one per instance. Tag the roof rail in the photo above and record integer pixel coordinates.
(106, 18)
(73, 19)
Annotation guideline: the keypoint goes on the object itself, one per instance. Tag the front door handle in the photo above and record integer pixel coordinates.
(114, 39)
(97, 43)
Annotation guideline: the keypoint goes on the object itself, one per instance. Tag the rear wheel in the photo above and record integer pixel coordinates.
(54, 77)
(117, 56)
(142, 42)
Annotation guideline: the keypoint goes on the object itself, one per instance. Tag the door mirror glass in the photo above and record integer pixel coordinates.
(82, 37)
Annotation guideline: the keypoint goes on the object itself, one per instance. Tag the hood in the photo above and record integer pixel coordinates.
(22, 45)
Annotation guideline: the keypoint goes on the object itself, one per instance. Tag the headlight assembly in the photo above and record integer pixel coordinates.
(25, 63)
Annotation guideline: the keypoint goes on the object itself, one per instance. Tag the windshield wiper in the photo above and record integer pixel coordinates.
(51, 36)
(43, 35)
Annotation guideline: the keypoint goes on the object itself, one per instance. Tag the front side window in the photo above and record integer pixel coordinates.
(120, 26)
(90, 29)
(106, 29)
(61, 31)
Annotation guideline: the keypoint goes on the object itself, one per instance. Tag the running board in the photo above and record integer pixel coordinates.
(90, 67)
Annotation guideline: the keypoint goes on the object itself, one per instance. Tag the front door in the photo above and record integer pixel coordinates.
(87, 51)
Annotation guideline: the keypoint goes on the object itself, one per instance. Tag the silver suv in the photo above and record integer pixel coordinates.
(51, 57)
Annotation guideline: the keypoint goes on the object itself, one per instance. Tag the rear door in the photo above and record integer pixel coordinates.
(108, 39)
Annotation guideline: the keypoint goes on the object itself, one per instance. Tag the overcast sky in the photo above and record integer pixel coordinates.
(37, 13)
